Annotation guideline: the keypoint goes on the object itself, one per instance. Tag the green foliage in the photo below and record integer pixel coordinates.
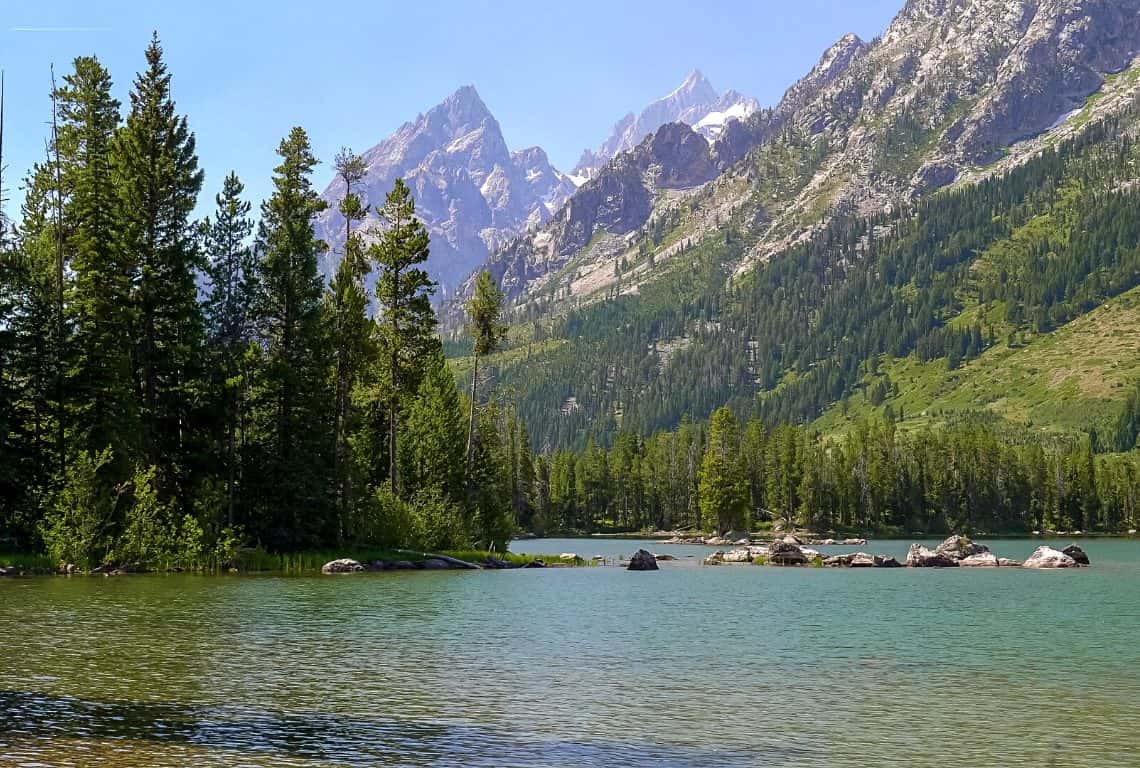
(290, 442)
(77, 524)
(721, 483)
(406, 322)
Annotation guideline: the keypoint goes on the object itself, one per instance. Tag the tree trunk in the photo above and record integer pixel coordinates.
(393, 413)
(471, 419)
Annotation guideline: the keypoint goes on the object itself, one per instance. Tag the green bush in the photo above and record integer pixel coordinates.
(77, 525)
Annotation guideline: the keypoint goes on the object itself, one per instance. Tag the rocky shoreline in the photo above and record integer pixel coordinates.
(955, 552)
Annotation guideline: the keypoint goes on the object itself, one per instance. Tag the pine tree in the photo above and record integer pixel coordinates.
(291, 398)
(100, 389)
(723, 486)
(231, 270)
(403, 291)
(487, 332)
(158, 181)
(31, 351)
(431, 453)
(346, 306)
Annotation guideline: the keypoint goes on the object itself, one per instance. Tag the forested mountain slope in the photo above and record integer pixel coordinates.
(998, 262)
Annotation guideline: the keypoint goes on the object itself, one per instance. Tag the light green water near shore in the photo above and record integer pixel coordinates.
(690, 666)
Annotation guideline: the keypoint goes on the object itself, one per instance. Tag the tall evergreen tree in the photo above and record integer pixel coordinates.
(158, 181)
(723, 486)
(291, 398)
(487, 331)
(403, 291)
(346, 307)
(100, 389)
(231, 270)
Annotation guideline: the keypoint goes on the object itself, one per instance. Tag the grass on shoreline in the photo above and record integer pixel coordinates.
(288, 563)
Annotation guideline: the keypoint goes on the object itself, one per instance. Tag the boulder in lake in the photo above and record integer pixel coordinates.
(980, 560)
(738, 556)
(344, 565)
(1077, 554)
(643, 561)
(736, 536)
(861, 560)
(1006, 562)
(1047, 557)
(920, 557)
(960, 547)
(783, 553)
(854, 542)
(716, 558)
(886, 562)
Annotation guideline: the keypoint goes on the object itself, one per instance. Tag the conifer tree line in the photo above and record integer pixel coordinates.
(972, 476)
(173, 389)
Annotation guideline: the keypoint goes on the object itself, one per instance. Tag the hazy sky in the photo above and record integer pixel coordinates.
(555, 74)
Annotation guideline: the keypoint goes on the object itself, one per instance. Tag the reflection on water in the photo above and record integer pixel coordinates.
(77, 732)
(689, 666)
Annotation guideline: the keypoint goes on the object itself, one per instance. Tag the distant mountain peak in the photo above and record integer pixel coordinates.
(694, 102)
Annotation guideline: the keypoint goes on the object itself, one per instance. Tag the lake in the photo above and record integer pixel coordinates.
(689, 666)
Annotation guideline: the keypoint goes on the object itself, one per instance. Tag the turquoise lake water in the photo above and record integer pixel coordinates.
(689, 666)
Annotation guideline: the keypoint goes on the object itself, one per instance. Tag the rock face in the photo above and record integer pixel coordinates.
(616, 201)
(1077, 554)
(921, 557)
(1047, 557)
(471, 191)
(343, 565)
(695, 102)
(643, 561)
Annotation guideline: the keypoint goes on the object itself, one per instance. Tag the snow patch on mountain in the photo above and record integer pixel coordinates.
(694, 102)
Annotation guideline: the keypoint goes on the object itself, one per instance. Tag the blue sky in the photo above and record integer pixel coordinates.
(555, 74)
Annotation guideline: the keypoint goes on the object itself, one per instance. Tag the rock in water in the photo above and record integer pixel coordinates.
(960, 547)
(1047, 557)
(887, 562)
(861, 560)
(643, 561)
(980, 560)
(435, 564)
(1077, 554)
(1006, 562)
(921, 557)
(783, 553)
(343, 565)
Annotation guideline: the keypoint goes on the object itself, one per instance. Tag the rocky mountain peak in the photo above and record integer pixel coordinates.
(471, 191)
(694, 102)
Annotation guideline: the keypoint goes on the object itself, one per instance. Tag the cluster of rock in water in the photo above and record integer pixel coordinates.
(954, 552)
(429, 563)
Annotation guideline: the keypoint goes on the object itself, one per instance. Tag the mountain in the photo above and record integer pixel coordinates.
(963, 184)
(471, 191)
(694, 102)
